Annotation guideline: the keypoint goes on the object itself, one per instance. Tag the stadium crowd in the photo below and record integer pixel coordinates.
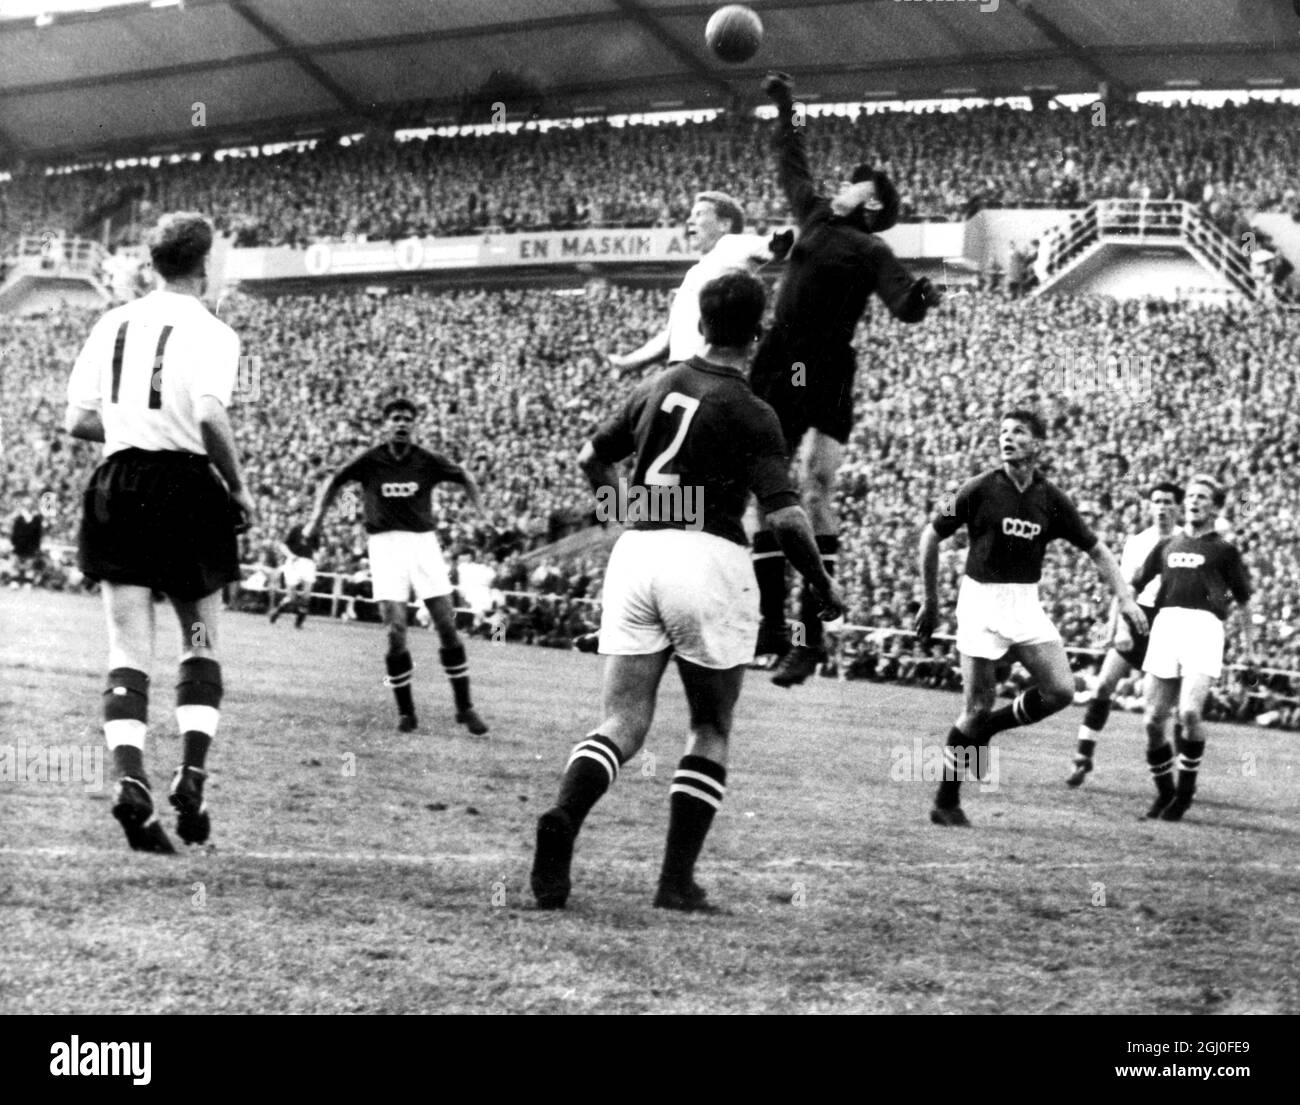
(512, 381)
(946, 166)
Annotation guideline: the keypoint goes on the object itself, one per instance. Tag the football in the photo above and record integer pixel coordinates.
(734, 33)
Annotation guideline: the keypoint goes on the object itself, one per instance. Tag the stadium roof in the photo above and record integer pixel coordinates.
(125, 79)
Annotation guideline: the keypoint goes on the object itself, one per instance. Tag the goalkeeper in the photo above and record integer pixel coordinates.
(805, 365)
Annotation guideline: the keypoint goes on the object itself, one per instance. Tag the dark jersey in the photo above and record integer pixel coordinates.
(702, 441)
(25, 536)
(834, 267)
(1010, 529)
(298, 544)
(1197, 573)
(396, 491)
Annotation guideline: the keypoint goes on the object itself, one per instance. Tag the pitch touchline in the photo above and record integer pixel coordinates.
(483, 858)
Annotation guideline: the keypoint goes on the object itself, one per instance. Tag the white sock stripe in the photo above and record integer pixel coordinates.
(949, 755)
(198, 719)
(1162, 769)
(1018, 709)
(598, 752)
(703, 796)
(1188, 765)
(765, 555)
(403, 680)
(457, 672)
(707, 780)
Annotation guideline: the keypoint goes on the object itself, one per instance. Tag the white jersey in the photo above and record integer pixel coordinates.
(145, 366)
(732, 253)
(1136, 550)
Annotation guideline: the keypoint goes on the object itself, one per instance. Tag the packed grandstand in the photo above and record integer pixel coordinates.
(512, 380)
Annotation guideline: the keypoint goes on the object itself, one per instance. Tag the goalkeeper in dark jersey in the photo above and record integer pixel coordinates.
(805, 365)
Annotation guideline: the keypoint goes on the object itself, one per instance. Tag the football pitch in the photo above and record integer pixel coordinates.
(353, 869)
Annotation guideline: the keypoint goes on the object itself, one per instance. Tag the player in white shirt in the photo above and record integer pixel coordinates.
(161, 512)
(1126, 651)
(714, 228)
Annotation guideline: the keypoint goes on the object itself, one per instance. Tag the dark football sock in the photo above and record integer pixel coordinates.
(456, 665)
(1096, 714)
(126, 698)
(1160, 758)
(957, 747)
(1027, 708)
(809, 605)
(1190, 754)
(129, 761)
(696, 793)
(592, 768)
(769, 570)
(399, 679)
(199, 685)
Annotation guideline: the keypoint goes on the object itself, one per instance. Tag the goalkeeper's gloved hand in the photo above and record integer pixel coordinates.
(930, 295)
(780, 88)
(780, 244)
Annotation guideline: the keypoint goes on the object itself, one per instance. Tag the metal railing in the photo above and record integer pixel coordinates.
(52, 254)
(1147, 223)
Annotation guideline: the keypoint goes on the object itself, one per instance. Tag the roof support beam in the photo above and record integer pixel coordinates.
(676, 46)
(286, 47)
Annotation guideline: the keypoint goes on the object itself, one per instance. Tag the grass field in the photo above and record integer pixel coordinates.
(356, 869)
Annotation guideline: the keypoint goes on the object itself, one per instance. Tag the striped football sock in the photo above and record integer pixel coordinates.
(399, 679)
(1160, 758)
(456, 665)
(1190, 754)
(694, 797)
(592, 768)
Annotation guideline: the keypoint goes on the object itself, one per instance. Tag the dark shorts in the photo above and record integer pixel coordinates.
(1136, 656)
(162, 520)
(808, 390)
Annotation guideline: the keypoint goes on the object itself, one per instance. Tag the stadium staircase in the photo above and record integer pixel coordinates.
(49, 269)
(1144, 224)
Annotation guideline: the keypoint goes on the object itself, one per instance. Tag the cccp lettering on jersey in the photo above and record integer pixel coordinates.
(398, 490)
(1018, 527)
(1186, 560)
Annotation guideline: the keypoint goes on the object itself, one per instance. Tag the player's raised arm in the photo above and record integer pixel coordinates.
(1108, 568)
(325, 496)
(795, 535)
(907, 297)
(466, 480)
(792, 170)
(656, 349)
(599, 473)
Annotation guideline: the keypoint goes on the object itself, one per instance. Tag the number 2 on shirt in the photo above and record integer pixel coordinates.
(673, 401)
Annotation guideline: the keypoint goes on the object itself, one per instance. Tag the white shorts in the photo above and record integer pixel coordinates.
(1184, 642)
(300, 571)
(992, 617)
(402, 562)
(684, 588)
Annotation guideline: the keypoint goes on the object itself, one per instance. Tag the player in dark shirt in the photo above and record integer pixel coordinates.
(680, 581)
(299, 570)
(397, 480)
(25, 535)
(1199, 573)
(1011, 513)
(805, 366)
